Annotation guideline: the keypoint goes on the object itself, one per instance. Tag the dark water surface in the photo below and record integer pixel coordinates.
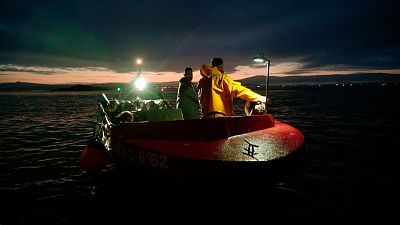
(352, 139)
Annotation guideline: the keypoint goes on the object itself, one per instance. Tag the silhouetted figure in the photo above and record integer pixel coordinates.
(187, 98)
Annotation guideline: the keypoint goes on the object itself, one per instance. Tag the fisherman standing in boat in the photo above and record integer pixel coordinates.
(187, 98)
(217, 89)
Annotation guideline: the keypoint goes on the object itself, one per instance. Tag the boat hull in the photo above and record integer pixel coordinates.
(229, 147)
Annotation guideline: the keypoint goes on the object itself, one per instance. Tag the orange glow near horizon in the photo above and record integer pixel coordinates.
(10, 73)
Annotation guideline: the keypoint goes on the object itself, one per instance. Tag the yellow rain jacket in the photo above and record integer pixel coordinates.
(217, 90)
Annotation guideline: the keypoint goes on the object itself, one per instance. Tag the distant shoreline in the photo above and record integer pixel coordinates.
(251, 82)
(81, 88)
(252, 87)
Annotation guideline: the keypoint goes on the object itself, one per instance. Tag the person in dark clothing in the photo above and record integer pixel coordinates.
(187, 97)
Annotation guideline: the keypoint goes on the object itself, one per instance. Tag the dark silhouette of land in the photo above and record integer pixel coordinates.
(81, 87)
(288, 81)
(324, 79)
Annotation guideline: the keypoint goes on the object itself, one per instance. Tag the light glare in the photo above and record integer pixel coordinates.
(140, 83)
(260, 60)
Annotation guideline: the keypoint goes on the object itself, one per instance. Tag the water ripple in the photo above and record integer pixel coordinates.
(349, 141)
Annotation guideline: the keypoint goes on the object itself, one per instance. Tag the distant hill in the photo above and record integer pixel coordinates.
(167, 84)
(322, 79)
(313, 80)
(21, 86)
(80, 87)
(251, 81)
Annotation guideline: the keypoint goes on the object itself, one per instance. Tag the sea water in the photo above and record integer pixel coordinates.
(352, 144)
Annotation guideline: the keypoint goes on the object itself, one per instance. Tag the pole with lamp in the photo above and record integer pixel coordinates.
(139, 62)
(140, 82)
(266, 62)
(259, 108)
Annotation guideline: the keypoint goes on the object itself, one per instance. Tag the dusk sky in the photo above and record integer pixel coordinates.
(98, 41)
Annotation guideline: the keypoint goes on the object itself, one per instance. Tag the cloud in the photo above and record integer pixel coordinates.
(29, 69)
(47, 70)
(171, 35)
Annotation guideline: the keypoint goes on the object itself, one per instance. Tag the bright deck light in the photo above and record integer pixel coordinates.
(260, 58)
(140, 83)
(138, 61)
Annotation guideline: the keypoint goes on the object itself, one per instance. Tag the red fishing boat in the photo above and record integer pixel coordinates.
(149, 135)
(159, 140)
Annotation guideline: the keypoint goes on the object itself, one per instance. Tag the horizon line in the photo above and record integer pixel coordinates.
(160, 82)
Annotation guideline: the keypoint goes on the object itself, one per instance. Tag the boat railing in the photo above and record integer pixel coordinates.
(114, 112)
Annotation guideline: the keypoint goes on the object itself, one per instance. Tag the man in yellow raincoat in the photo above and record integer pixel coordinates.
(217, 90)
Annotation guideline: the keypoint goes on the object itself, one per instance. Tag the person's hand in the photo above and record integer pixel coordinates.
(263, 99)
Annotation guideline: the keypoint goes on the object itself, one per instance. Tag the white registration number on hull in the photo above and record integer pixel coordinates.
(139, 156)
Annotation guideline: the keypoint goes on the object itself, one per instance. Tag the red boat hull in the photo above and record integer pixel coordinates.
(226, 146)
